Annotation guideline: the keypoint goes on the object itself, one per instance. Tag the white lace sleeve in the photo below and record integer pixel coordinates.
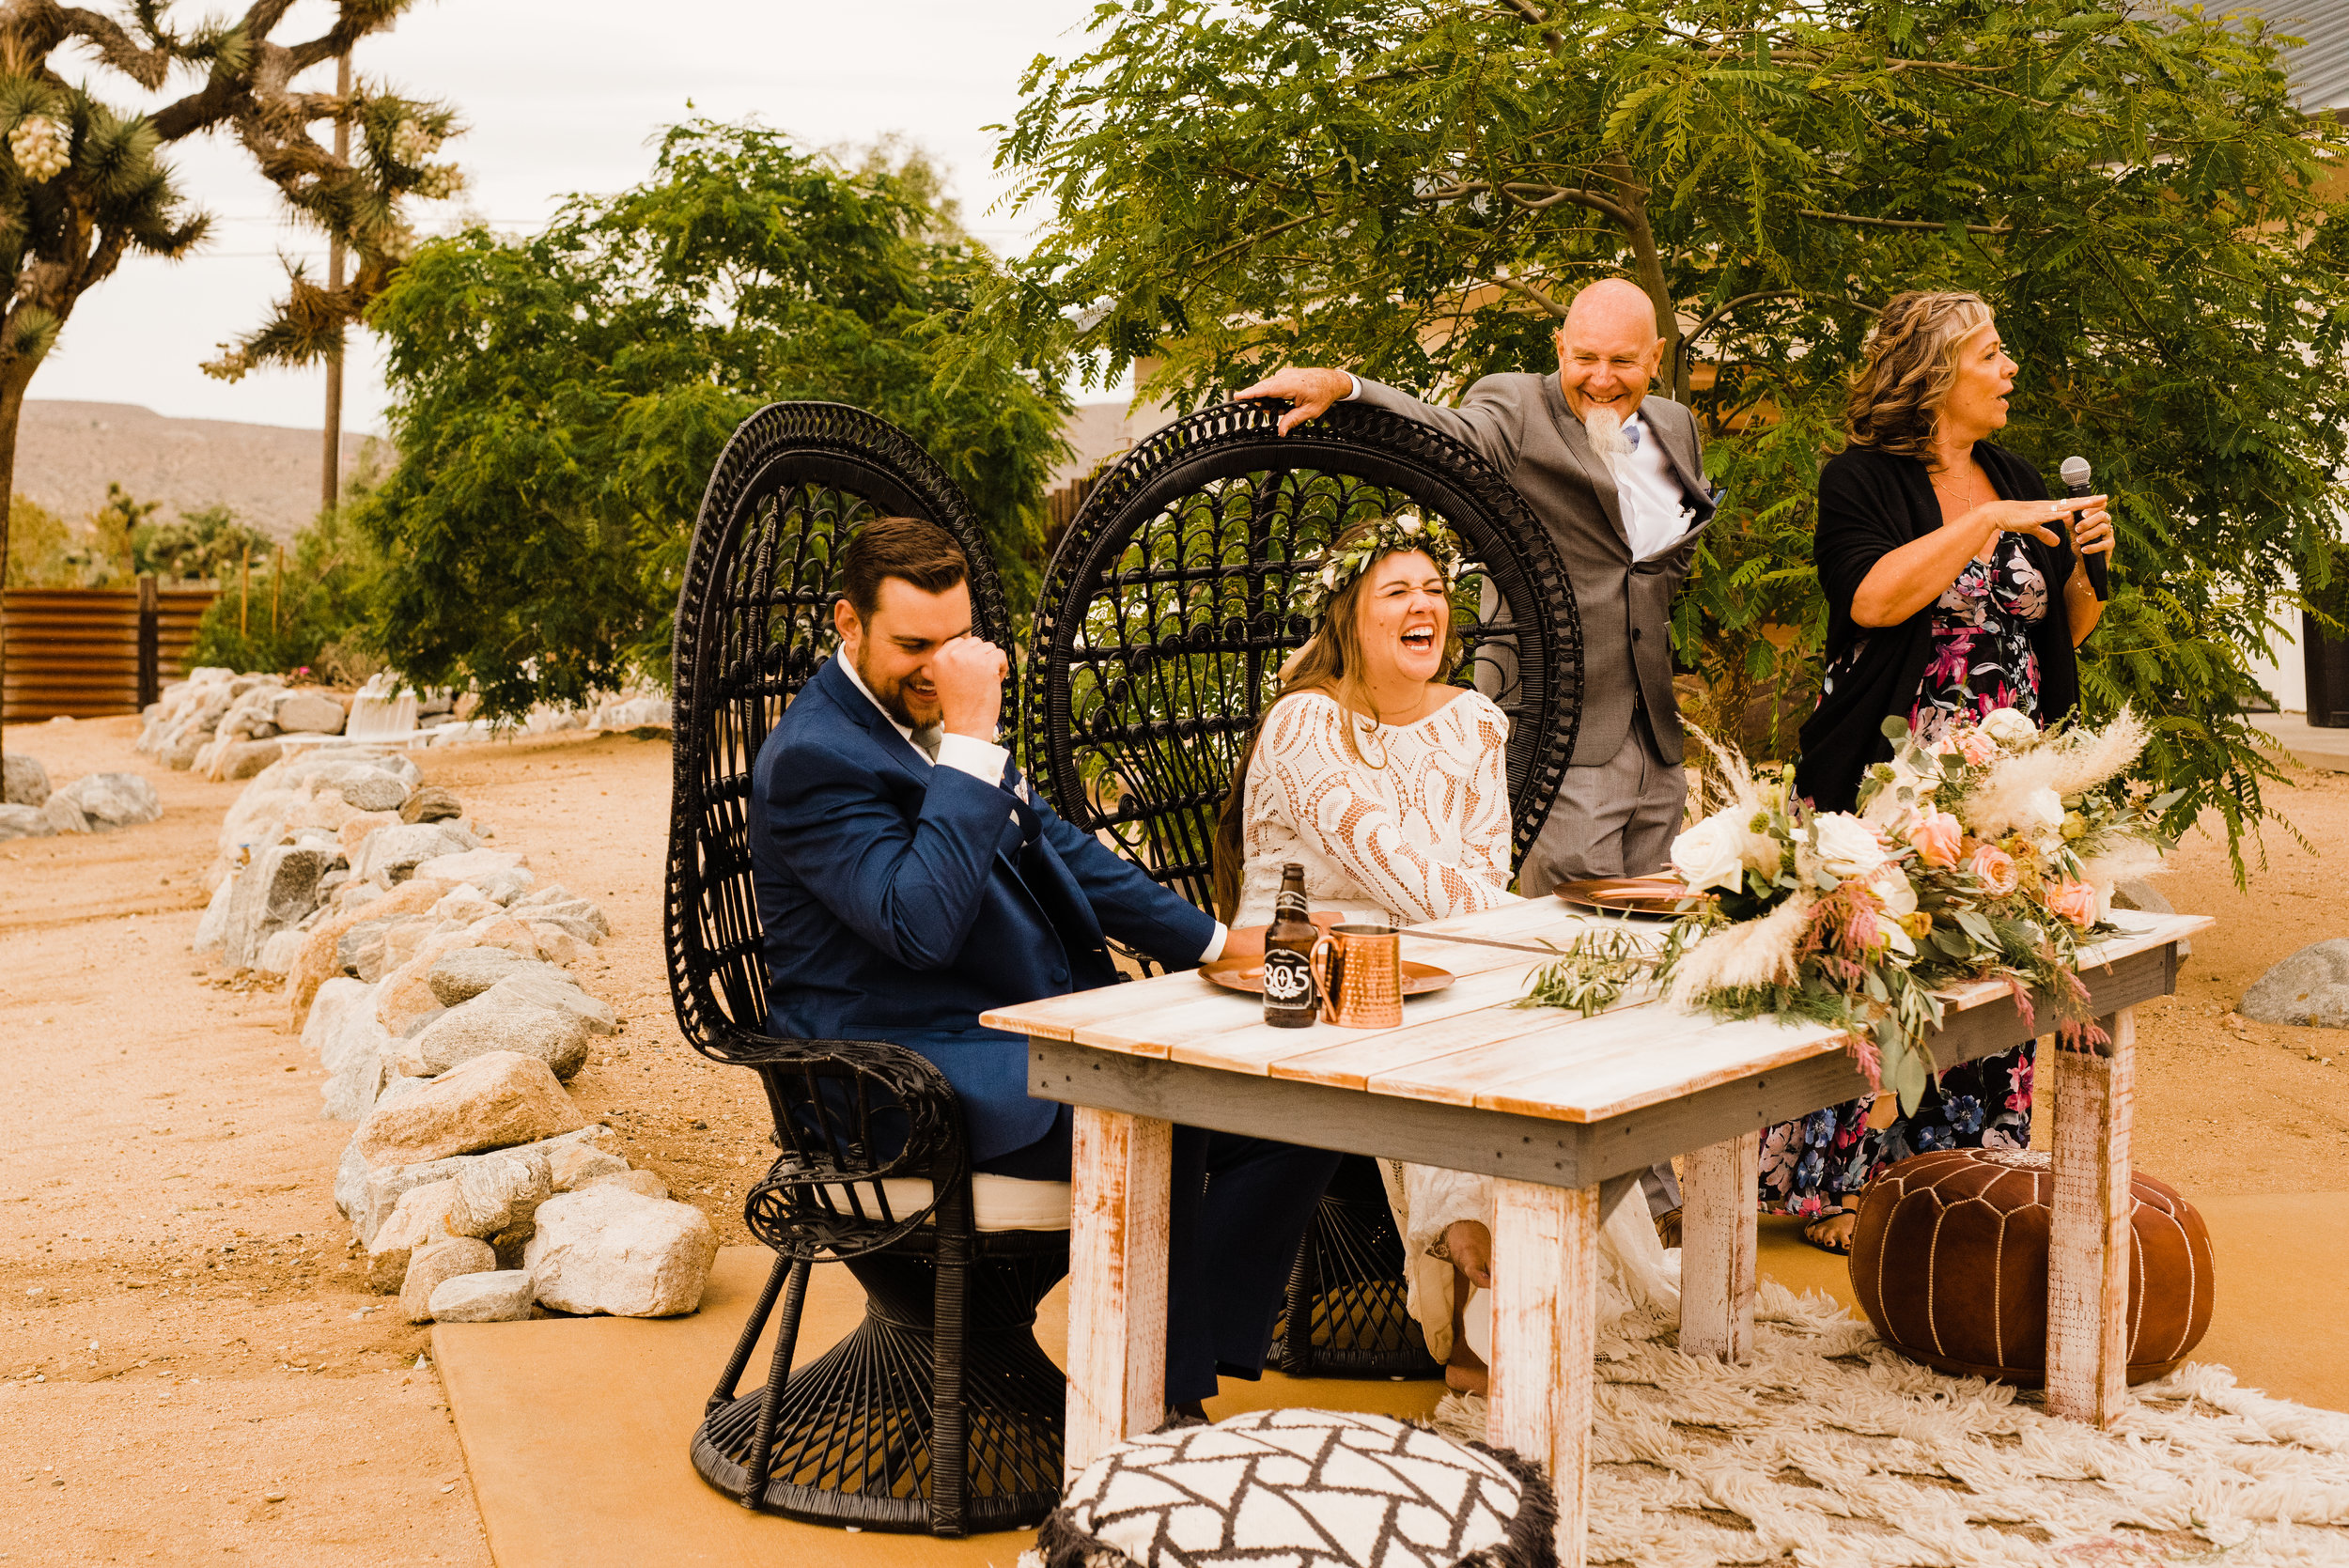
(1484, 835)
(1308, 763)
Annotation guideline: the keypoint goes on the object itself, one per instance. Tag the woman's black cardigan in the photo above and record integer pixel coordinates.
(1870, 504)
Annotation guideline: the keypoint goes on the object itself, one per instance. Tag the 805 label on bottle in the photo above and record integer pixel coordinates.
(1288, 979)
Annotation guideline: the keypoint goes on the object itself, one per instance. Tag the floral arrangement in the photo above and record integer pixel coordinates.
(1990, 851)
(1386, 536)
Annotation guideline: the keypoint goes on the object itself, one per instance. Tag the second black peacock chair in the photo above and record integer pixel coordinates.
(938, 1412)
(1166, 614)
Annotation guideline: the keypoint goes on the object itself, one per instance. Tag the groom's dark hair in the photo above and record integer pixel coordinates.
(919, 552)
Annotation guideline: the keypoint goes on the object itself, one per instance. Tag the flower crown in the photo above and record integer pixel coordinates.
(1405, 531)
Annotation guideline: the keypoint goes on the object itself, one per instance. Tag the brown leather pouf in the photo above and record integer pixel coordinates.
(1950, 1263)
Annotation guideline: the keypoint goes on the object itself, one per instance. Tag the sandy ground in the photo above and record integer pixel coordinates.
(189, 1363)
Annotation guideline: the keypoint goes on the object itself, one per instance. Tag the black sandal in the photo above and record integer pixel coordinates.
(1810, 1236)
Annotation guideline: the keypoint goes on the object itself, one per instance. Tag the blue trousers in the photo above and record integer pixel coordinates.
(1236, 1214)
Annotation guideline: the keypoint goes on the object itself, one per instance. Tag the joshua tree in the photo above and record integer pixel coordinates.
(83, 184)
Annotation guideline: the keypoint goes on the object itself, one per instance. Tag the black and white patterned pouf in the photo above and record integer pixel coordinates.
(1304, 1489)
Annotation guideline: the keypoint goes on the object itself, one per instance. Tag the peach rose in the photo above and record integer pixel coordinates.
(2075, 902)
(1976, 747)
(1994, 868)
(1935, 835)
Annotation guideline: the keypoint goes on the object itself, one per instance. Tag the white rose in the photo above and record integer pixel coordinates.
(2043, 810)
(2008, 727)
(1710, 855)
(1330, 575)
(1893, 887)
(1409, 523)
(1848, 846)
(1894, 937)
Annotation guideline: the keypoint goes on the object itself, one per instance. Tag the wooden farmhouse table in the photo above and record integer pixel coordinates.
(1549, 1104)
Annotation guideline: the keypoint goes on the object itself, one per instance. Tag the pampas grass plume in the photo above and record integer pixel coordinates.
(1753, 952)
(2100, 754)
(2002, 803)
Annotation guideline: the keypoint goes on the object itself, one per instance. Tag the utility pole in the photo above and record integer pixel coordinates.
(334, 478)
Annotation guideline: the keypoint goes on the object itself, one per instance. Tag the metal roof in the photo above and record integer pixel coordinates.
(2319, 65)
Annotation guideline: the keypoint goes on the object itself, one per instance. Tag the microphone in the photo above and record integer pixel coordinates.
(2076, 485)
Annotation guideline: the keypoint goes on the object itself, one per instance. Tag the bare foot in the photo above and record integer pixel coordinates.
(1469, 1378)
(1831, 1231)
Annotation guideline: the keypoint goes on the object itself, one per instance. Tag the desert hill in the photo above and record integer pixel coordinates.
(268, 475)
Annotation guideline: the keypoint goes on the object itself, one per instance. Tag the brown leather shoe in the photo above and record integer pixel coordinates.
(1668, 1228)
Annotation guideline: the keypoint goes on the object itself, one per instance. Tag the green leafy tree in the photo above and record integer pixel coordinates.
(1415, 190)
(208, 544)
(558, 401)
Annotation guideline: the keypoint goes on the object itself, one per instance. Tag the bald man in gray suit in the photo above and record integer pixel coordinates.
(1617, 477)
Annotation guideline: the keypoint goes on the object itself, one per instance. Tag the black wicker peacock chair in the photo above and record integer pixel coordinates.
(1166, 613)
(940, 1412)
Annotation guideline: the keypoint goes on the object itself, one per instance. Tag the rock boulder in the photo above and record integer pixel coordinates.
(112, 801)
(486, 1103)
(2310, 989)
(433, 1265)
(307, 712)
(614, 1252)
(502, 1296)
(23, 782)
(24, 822)
(460, 976)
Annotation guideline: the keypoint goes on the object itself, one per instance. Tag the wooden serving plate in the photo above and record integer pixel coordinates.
(1246, 974)
(1628, 895)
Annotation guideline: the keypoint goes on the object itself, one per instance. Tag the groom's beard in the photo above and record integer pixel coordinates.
(1605, 427)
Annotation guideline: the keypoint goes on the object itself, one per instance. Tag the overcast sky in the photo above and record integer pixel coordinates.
(561, 96)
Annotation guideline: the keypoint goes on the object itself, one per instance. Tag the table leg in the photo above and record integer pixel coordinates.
(1719, 1244)
(2088, 1242)
(1544, 1336)
(1119, 1167)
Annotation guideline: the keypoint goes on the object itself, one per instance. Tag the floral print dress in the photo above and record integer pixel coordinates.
(1982, 658)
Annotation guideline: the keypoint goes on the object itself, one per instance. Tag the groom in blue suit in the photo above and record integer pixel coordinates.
(909, 879)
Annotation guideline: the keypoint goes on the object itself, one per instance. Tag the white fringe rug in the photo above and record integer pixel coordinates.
(1832, 1450)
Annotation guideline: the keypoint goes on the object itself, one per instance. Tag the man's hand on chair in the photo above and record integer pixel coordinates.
(969, 676)
(1308, 390)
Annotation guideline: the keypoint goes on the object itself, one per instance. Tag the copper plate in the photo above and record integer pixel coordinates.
(1246, 974)
(1627, 895)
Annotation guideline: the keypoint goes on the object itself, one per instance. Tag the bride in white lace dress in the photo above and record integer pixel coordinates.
(1391, 788)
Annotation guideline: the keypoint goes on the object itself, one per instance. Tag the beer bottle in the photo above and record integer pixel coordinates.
(1289, 1001)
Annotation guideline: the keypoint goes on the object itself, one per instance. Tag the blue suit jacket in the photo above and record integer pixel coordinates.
(900, 899)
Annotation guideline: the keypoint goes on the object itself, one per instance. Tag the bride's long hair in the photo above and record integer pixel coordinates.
(1331, 663)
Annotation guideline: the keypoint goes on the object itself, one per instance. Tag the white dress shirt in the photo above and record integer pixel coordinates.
(1655, 511)
(984, 761)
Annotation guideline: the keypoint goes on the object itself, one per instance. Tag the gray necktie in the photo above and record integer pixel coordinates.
(928, 737)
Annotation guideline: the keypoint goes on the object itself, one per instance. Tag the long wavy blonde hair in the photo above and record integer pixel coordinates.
(1331, 663)
(1906, 369)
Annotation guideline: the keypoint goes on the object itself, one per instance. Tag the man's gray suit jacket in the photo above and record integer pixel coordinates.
(1521, 423)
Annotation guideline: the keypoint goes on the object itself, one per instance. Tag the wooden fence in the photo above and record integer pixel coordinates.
(91, 652)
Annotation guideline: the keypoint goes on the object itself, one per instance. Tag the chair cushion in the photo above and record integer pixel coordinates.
(999, 1202)
(1950, 1263)
(1304, 1489)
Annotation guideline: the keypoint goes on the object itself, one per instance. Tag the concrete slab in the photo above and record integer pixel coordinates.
(2310, 745)
(575, 1429)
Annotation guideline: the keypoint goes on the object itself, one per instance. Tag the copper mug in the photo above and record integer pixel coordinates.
(1359, 970)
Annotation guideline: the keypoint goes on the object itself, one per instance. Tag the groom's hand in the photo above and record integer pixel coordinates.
(1310, 390)
(969, 676)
